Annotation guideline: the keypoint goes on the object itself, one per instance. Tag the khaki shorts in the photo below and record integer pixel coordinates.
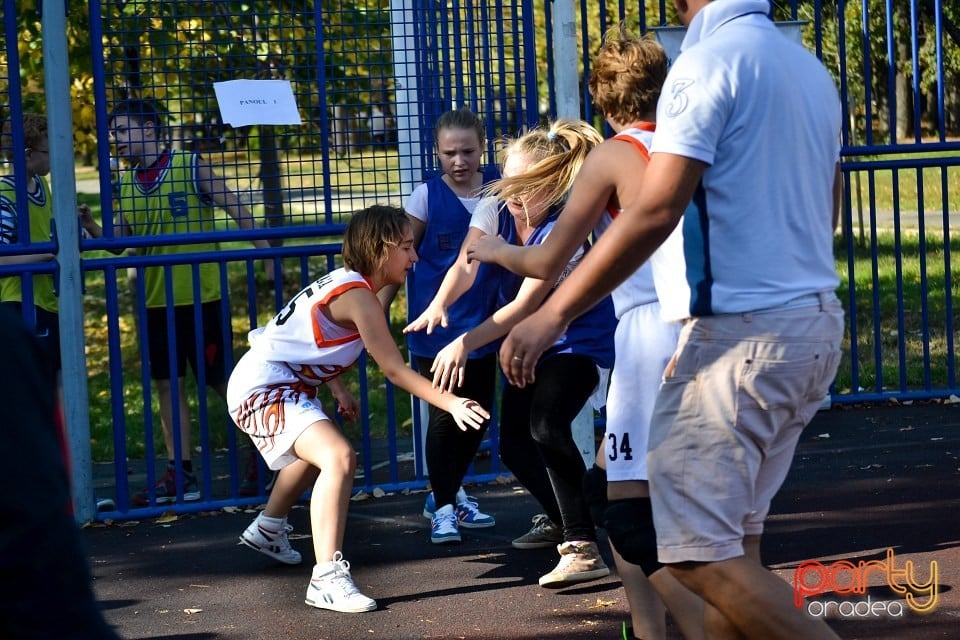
(727, 421)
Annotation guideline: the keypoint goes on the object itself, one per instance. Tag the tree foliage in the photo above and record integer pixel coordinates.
(174, 51)
(886, 62)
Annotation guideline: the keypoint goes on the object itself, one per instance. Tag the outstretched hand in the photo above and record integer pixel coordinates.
(468, 413)
(434, 315)
(450, 366)
(485, 248)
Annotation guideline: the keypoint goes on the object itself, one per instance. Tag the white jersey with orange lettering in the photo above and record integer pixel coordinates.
(272, 391)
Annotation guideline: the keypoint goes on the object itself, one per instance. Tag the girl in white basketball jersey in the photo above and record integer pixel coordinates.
(272, 397)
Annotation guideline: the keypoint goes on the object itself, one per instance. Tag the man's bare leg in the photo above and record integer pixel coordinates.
(749, 599)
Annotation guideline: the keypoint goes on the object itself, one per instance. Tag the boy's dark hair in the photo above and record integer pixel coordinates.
(461, 118)
(141, 109)
(369, 234)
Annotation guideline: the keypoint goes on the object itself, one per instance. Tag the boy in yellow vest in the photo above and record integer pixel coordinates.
(33, 228)
(175, 192)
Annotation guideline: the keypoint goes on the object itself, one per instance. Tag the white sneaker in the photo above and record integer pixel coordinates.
(271, 543)
(331, 587)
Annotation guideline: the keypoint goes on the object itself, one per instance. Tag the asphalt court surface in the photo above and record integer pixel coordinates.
(867, 484)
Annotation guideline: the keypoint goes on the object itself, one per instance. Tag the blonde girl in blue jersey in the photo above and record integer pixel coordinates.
(272, 397)
(536, 441)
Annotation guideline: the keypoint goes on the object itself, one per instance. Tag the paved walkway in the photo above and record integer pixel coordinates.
(865, 480)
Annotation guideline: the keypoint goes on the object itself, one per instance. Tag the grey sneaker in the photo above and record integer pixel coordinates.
(542, 534)
(579, 562)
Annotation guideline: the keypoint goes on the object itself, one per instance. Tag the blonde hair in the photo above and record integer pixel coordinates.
(369, 235)
(557, 154)
(34, 133)
(627, 76)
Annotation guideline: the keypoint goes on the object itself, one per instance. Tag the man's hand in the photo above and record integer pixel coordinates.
(485, 248)
(524, 345)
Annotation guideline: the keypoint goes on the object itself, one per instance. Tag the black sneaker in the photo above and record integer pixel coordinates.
(165, 491)
(251, 473)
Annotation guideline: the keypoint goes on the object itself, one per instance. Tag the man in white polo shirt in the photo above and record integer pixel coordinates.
(747, 135)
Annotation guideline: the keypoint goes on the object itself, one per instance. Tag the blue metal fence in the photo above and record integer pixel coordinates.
(897, 66)
(369, 79)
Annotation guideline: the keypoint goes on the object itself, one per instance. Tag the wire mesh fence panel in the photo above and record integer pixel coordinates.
(270, 122)
(253, 123)
(897, 69)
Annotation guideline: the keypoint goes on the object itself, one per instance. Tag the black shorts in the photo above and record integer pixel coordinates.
(47, 330)
(212, 328)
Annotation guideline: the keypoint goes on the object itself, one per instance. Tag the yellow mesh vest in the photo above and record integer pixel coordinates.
(172, 204)
(40, 211)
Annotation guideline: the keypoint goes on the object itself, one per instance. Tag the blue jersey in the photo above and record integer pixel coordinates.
(445, 230)
(591, 334)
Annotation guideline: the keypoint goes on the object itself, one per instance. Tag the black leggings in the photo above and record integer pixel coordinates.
(449, 451)
(536, 439)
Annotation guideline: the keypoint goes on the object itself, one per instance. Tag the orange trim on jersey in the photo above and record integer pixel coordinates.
(643, 125)
(317, 332)
(639, 146)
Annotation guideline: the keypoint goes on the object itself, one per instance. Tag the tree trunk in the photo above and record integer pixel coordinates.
(904, 103)
(270, 181)
(880, 125)
(932, 111)
(952, 107)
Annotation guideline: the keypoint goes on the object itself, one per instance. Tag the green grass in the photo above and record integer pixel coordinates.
(898, 275)
(888, 187)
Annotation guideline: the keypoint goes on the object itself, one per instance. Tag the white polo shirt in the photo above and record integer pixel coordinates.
(764, 113)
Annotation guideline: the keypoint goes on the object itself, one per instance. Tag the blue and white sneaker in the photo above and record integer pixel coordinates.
(445, 528)
(470, 515)
(429, 506)
(468, 512)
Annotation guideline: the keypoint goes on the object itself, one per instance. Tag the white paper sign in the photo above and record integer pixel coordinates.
(246, 102)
